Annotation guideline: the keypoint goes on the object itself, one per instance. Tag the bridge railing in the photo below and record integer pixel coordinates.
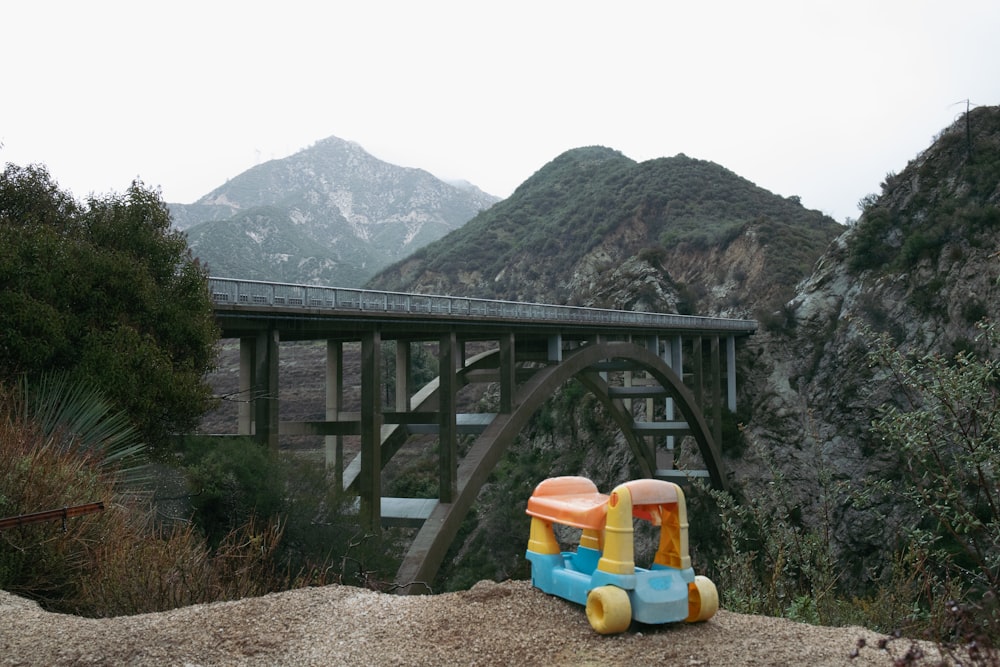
(253, 293)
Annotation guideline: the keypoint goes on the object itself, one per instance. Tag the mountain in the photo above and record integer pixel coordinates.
(331, 214)
(596, 228)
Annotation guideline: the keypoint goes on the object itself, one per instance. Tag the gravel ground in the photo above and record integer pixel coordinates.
(491, 624)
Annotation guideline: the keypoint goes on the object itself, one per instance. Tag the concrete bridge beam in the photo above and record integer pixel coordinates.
(448, 361)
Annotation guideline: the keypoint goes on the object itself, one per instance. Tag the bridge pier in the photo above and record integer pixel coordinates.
(334, 444)
(248, 347)
(403, 388)
(370, 483)
(715, 396)
(258, 411)
(731, 373)
(673, 355)
(448, 360)
(508, 372)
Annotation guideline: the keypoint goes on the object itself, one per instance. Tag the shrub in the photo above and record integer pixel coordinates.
(974, 311)
(54, 453)
(237, 483)
(947, 433)
(140, 568)
(770, 561)
(107, 292)
(232, 479)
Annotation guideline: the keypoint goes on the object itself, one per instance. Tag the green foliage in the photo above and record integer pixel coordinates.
(794, 239)
(944, 198)
(770, 561)
(868, 248)
(233, 480)
(946, 431)
(423, 369)
(236, 482)
(734, 441)
(76, 415)
(486, 547)
(941, 582)
(974, 311)
(107, 293)
(125, 561)
(926, 298)
(44, 469)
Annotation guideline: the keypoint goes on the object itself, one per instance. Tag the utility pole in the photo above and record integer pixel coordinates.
(968, 130)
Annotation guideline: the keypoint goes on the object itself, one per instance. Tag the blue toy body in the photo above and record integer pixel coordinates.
(600, 574)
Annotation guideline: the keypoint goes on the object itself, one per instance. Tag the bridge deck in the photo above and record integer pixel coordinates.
(307, 309)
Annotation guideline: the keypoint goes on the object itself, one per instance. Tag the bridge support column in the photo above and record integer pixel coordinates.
(665, 461)
(334, 444)
(677, 357)
(508, 378)
(403, 376)
(698, 357)
(555, 348)
(653, 345)
(731, 373)
(448, 431)
(716, 390)
(246, 396)
(265, 388)
(371, 429)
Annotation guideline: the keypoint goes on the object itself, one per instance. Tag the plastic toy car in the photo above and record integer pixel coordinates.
(601, 573)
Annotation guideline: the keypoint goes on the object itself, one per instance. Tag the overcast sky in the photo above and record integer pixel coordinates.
(809, 98)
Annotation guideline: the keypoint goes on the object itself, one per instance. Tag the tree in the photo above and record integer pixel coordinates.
(106, 292)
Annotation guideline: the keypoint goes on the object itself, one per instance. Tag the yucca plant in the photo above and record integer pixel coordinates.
(73, 414)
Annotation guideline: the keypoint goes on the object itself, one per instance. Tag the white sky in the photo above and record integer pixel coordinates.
(818, 99)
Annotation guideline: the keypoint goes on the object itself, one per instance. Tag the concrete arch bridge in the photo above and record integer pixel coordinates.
(660, 376)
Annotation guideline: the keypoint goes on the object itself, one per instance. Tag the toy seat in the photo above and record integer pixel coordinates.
(570, 501)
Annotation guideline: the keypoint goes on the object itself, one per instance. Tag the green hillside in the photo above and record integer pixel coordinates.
(594, 196)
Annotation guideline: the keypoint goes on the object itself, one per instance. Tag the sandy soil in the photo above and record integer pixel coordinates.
(491, 624)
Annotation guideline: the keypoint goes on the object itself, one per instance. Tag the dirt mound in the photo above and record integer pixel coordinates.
(491, 624)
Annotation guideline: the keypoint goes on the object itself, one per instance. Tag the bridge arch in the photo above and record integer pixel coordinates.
(424, 557)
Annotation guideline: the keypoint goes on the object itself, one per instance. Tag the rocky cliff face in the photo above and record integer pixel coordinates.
(922, 266)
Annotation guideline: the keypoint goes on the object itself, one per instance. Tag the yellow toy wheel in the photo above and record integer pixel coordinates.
(703, 599)
(609, 610)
